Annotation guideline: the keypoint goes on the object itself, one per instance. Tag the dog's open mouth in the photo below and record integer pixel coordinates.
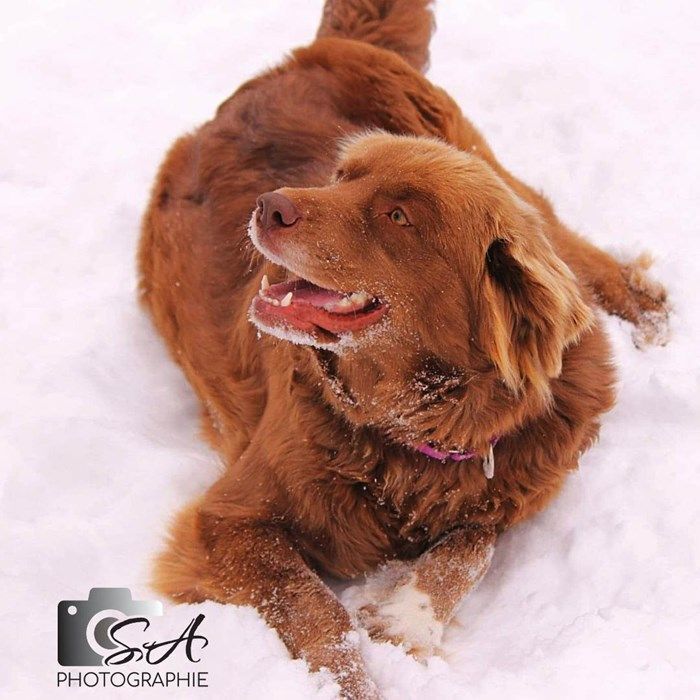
(324, 314)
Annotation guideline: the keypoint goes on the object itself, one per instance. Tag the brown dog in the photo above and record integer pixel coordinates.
(430, 364)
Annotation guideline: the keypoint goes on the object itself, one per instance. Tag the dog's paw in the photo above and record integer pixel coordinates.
(650, 302)
(404, 616)
(651, 329)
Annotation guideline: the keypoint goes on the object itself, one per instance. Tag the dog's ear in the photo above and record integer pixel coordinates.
(534, 305)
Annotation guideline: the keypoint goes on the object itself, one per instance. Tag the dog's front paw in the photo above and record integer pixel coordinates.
(404, 616)
(650, 302)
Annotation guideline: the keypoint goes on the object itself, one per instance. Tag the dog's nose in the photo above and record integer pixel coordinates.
(274, 209)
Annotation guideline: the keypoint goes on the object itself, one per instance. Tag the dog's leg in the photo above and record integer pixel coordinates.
(622, 288)
(247, 563)
(410, 603)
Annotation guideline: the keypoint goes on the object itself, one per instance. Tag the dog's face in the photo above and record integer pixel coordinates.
(417, 276)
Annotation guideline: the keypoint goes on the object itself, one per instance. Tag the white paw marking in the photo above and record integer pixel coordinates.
(405, 616)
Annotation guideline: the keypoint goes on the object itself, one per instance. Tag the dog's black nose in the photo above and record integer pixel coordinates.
(274, 209)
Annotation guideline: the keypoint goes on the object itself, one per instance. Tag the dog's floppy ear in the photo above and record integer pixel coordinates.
(533, 303)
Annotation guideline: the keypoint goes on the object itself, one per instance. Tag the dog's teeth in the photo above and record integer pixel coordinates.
(287, 299)
(264, 283)
(359, 298)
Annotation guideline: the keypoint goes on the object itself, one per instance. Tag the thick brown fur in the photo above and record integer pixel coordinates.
(491, 331)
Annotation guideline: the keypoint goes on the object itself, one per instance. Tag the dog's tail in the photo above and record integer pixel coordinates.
(403, 26)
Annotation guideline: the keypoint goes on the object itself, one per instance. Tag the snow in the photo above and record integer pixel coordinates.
(596, 103)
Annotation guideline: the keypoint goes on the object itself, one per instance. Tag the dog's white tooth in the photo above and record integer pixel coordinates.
(287, 299)
(359, 298)
(274, 302)
(264, 283)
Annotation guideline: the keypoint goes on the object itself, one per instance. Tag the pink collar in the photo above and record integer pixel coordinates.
(429, 451)
(457, 456)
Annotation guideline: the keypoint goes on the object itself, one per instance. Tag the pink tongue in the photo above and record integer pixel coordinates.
(313, 309)
(305, 292)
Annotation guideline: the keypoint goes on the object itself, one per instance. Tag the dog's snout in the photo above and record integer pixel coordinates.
(276, 210)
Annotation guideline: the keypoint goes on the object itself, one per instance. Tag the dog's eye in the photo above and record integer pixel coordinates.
(398, 217)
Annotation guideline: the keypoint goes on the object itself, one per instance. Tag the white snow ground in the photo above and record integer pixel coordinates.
(597, 103)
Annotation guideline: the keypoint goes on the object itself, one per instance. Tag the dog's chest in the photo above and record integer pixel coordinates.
(352, 523)
(424, 498)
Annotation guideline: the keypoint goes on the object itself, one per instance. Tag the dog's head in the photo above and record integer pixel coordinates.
(422, 284)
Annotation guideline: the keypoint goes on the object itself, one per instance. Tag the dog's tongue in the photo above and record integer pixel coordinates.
(307, 307)
(305, 293)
